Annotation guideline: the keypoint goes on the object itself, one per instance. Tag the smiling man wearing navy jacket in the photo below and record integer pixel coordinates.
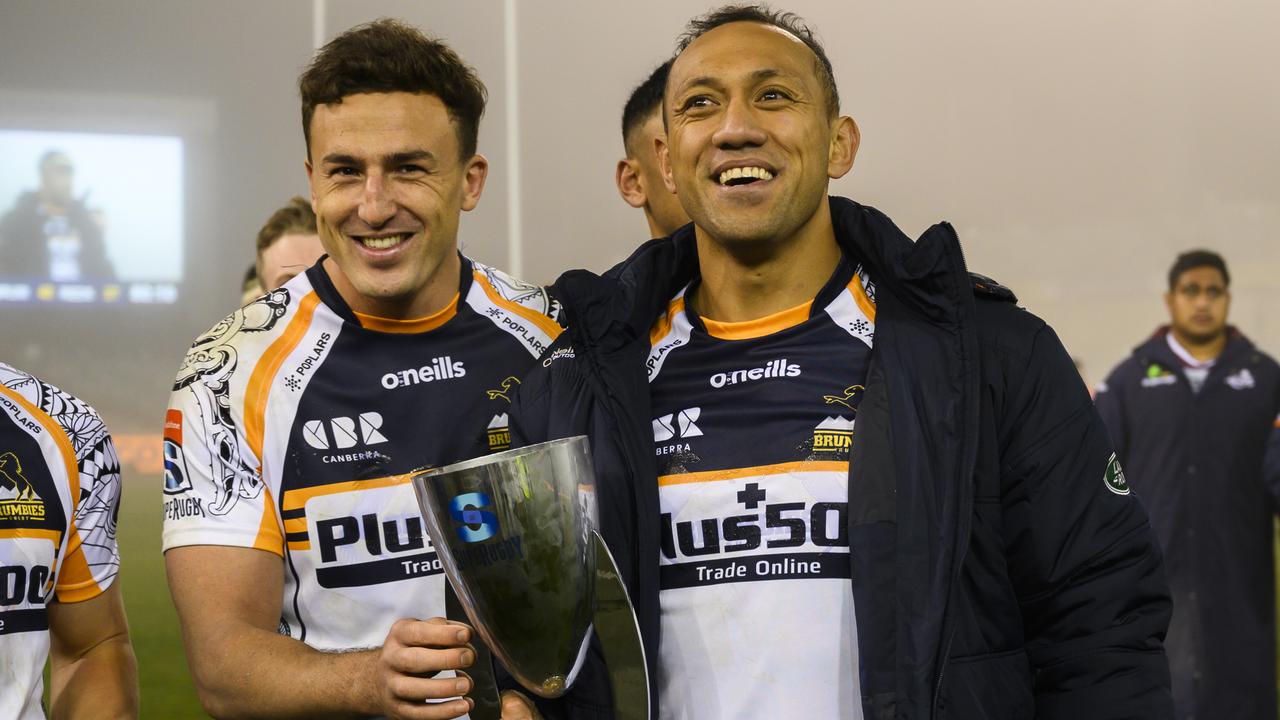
(842, 477)
(1190, 412)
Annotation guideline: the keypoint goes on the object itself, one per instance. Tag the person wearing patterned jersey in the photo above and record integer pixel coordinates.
(59, 600)
(1192, 411)
(841, 476)
(296, 554)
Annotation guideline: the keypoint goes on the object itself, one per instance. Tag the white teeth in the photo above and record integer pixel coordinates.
(383, 243)
(757, 173)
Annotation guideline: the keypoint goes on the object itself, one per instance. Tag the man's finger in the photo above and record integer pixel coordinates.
(426, 661)
(416, 689)
(436, 632)
(517, 707)
(428, 711)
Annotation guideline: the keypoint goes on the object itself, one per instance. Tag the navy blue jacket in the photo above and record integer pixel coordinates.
(995, 575)
(1196, 460)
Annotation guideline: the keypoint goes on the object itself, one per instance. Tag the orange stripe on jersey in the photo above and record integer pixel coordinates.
(735, 473)
(255, 396)
(59, 436)
(269, 537)
(255, 408)
(544, 323)
(663, 326)
(1278, 423)
(759, 327)
(859, 294)
(52, 536)
(414, 325)
(298, 497)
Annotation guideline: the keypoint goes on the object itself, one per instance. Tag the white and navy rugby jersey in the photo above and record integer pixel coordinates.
(753, 426)
(294, 424)
(59, 494)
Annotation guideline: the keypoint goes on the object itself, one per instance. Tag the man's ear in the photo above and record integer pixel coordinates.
(664, 163)
(1168, 302)
(630, 186)
(845, 138)
(310, 185)
(474, 175)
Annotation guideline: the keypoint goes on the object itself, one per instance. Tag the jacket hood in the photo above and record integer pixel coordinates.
(622, 304)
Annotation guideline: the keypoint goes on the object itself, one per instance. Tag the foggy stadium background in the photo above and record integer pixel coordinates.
(1076, 147)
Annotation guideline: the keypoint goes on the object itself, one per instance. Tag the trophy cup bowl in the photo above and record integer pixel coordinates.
(514, 532)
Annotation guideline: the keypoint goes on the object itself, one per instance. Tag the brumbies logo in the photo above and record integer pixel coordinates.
(499, 433)
(18, 498)
(1113, 477)
(834, 435)
(474, 524)
(504, 389)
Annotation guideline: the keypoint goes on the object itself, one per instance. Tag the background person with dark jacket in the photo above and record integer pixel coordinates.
(841, 478)
(1190, 413)
(49, 234)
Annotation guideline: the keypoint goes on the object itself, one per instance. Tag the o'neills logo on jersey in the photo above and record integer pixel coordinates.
(18, 498)
(441, 368)
(771, 369)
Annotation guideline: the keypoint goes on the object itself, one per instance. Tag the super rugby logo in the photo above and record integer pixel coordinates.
(473, 523)
(771, 369)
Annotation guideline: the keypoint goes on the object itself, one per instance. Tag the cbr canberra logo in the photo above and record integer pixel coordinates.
(342, 430)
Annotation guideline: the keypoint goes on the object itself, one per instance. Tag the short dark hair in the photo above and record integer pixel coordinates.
(295, 217)
(645, 100)
(387, 56)
(788, 22)
(1198, 258)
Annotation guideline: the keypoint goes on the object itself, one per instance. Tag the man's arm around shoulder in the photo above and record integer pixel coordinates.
(228, 601)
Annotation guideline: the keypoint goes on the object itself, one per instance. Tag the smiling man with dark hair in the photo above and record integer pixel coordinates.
(843, 477)
(295, 550)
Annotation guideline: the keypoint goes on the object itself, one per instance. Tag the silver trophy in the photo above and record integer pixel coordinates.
(517, 535)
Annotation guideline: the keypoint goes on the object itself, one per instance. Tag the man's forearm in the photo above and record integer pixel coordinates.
(102, 683)
(249, 672)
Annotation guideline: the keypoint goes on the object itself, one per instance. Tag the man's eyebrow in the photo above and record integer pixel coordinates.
(408, 156)
(339, 159)
(755, 76)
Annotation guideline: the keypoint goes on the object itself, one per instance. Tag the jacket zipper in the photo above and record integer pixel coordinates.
(948, 622)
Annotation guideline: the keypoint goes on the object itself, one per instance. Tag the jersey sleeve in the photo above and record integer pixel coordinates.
(213, 488)
(92, 559)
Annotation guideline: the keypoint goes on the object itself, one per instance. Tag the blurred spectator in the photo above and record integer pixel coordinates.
(49, 234)
(638, 176)
(287, 244)
(1190, 413)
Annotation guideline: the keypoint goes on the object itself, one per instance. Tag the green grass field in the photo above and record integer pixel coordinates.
(166, 685)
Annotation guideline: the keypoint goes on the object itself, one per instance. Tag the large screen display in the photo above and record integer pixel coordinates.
(90, 217)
